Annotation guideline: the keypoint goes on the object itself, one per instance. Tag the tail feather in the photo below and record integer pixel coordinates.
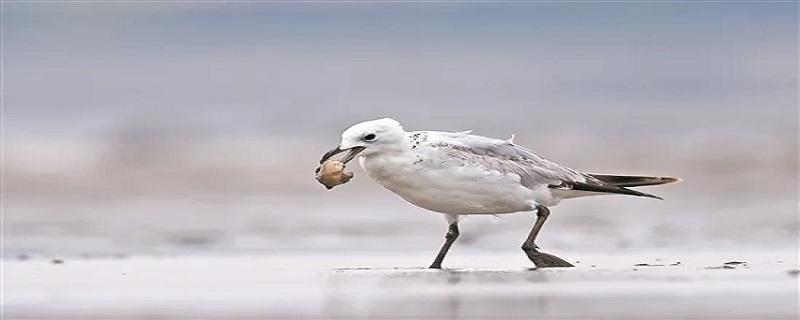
(603, 188)
(634, 181)
(612, 184)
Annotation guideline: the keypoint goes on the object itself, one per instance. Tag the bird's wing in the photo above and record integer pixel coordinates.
(509, 158)
(506, 157)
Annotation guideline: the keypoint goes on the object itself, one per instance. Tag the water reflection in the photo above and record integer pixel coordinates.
(528, 293)
(448, 293)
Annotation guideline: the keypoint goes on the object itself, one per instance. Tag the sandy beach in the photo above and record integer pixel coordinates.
(698, 286)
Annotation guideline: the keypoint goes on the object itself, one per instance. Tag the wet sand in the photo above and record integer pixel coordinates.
(701, 285)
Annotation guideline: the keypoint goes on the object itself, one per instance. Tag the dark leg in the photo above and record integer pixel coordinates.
(541, 259)
(449, 238)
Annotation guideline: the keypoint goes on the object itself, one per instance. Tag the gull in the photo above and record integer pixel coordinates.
(459, 173)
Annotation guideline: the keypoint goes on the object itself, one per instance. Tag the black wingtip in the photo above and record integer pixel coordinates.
(635, 181)
(604, 188)
(654, 197)
(671, 179)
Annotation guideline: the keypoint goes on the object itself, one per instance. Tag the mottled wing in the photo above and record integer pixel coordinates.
(507, 157)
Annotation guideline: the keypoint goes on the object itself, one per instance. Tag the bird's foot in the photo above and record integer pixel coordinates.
(435, 266)
(546, 260)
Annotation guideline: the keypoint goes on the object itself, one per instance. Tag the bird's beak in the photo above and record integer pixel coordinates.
(349, 156)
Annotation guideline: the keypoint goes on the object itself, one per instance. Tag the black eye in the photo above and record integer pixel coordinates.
(369, 137)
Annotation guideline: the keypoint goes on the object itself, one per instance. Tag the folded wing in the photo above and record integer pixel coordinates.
(534, 171)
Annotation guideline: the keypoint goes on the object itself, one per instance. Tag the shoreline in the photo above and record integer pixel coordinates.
(386, 286)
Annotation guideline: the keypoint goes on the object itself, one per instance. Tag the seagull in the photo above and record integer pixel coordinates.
(459, 173)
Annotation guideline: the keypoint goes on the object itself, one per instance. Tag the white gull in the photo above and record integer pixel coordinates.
(458, 173)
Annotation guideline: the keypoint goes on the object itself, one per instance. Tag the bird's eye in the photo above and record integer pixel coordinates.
(369, 137)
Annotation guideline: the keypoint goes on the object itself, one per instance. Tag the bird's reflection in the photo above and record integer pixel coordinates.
(448, 293)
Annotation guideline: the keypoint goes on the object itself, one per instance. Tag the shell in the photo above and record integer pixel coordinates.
(331, 173)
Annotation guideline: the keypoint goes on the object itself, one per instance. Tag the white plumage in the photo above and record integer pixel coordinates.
(458, 173)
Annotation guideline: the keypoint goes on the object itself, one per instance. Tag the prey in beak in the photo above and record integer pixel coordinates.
(331, 172)
(354, 151)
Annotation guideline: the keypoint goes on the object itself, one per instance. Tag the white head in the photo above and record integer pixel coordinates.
(369, 137)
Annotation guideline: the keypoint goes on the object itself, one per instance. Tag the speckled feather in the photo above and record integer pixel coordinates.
(460, 173)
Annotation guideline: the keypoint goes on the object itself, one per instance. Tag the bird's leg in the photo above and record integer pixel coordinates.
(541, 216)
(449, 238)
(541, 259)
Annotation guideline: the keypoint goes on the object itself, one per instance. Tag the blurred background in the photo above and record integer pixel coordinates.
(195, 128)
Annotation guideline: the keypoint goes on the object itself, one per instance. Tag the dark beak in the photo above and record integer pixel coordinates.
(349, 156)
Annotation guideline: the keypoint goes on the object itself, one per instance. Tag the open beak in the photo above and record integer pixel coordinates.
(349, 156)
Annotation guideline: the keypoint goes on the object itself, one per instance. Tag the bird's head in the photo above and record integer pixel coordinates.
(369, 137)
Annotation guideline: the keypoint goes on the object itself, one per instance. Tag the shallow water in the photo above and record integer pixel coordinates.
(398, 286)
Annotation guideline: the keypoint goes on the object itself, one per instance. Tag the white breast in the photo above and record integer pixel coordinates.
(441, 185)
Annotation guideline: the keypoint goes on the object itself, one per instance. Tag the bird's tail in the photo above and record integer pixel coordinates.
(634, 181)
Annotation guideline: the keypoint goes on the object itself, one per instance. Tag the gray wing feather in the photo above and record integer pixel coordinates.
(509, 158)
